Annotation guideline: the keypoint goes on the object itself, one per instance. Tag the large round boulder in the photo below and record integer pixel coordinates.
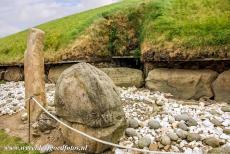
(88, 100)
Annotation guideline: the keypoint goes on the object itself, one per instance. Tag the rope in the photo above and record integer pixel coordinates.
(95, 139)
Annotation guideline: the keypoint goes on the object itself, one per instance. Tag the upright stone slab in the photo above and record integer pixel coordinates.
(34, 71)
(221, 87)
(186, 84)
(87, 99)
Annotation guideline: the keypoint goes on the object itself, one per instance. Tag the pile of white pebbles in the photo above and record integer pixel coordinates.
(157, 122)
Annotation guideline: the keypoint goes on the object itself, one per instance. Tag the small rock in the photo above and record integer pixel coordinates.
(153, 147)
(167, 147)
(174, 124)
(173, 136)
(221, 150)
(193, 137)
(160, 146)
(226, 131)
(130, 132)
(191, 122)
(19, 98)
(35, 134)
(175, 148)
(45, 122)
(8, 101)
(35, 125)
(24, 117)
(181, 133)
(216, 122)
(133, 123)
(144, 142)
(159, 102)
(165, 140)
(225, 108)
(183, 117)
(182, 126)
(213, 112)
(213, 142)
(171, 119)
(207, 123)
(154, 124)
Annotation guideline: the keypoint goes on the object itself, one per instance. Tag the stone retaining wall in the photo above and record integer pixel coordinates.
(190, 84)
(182, 83)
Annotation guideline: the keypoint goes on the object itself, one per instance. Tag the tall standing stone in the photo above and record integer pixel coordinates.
(34, 71)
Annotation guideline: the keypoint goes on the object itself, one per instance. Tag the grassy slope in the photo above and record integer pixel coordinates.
(188, 27)
(175, 28)
(59, 33)
(6, 140)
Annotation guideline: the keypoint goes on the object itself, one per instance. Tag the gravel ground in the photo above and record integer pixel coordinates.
(163, 120)
(156, 121)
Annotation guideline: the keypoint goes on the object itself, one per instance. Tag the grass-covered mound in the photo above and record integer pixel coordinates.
(159, 29)
(60, 33)
(187, 29)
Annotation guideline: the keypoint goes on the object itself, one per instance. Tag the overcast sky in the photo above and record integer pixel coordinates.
(17, 15)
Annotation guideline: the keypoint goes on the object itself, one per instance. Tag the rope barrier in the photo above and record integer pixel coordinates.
(93, 138)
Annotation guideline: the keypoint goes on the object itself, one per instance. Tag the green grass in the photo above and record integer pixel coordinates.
(2, 82)
(188, 24)
(59, 33)
(174, 27)
(6, 140)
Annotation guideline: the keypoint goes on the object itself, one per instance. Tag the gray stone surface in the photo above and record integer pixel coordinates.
(191, 122)
(144, 142)
(125, 77)
(221, 150)
(182, 134)
(186, 84)
(154, 124)
(88, 100)
(165, 140)
(173, 136)
(221, 87)
(183, 117)
(216, 122)
(213, 142)
(130, 132)
(13, 74)
(182, 126)
(133, 123)
(193, 137)
(225, 108)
